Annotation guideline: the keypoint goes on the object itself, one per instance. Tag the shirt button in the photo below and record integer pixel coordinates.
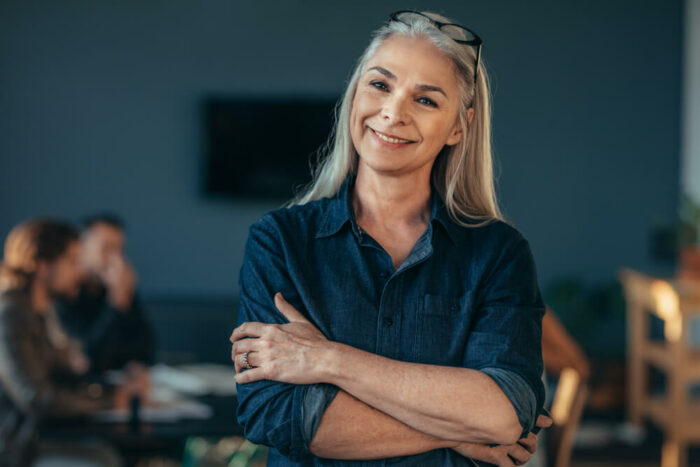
(388, 321)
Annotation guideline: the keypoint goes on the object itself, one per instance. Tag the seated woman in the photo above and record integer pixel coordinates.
(38, 378)
(407, 327)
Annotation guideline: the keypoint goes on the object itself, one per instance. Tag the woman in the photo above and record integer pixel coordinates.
(40, 374)
(389, 312)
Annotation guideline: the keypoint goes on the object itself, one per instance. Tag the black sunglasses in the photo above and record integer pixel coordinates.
(450, 29)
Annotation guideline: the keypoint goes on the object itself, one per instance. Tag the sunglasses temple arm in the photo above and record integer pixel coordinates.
(478, 59)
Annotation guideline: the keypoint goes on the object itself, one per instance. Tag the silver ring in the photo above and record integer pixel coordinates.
(245, 361)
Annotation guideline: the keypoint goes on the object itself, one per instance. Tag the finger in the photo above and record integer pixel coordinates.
(544, 421)
(240, 364)
(246, 345)
(529, 443)
(505, 461)
(233, 359)
(249, 329)
(519, 454)
(289, 312)
(249, 376)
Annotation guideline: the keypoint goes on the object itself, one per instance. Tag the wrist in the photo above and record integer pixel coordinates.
(331, 364)
(451, 444)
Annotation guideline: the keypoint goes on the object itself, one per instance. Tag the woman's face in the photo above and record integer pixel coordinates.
(407, 93)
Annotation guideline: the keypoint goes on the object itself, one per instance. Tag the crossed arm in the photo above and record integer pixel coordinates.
(411, 408)
(383, 407)
(350, 429)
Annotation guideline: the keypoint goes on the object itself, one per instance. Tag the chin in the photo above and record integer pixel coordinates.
(385, 165)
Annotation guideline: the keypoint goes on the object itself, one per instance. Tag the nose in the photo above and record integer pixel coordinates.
(393, 111)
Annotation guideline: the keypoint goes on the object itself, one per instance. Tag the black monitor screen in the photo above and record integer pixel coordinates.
(262, 148)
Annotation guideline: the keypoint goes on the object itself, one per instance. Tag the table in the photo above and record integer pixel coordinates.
(150, 439)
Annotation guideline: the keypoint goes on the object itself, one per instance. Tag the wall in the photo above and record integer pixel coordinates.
(99, 109)
(690, 141)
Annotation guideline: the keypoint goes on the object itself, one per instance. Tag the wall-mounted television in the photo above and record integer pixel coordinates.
(262, 148)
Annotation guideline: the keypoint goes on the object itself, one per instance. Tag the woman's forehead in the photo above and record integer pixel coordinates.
(415, 59)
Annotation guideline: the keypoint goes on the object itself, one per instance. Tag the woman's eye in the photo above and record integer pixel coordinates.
(426, 101)
(379, 85)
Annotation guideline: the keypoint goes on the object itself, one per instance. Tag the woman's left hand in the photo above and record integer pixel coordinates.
(291, 353)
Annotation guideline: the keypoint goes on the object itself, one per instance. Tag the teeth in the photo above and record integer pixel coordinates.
(391, 140)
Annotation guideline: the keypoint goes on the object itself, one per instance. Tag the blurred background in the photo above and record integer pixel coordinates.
(118, 106)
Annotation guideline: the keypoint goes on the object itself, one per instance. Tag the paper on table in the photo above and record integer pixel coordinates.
(219, 379)
(196, 379)
(162, 411)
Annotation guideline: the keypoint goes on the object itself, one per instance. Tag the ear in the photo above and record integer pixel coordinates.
(455, 134)
(41, 270)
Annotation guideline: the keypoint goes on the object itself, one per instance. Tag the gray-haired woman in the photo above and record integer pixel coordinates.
(389, 312)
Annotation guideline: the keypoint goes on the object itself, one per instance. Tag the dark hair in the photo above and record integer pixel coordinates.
(30, 242)
(108, 218)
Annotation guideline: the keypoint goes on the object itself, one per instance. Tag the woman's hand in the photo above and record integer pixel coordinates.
(505, 455)
(291, 353)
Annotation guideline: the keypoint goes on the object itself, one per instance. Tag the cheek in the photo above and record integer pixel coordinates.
(365, 104)
(436, 132)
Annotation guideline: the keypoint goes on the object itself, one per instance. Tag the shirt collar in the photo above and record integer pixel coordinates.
(339, 211)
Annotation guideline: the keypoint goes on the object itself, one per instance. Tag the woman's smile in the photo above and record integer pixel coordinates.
(389, 141)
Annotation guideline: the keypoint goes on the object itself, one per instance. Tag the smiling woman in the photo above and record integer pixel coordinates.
(389, 311)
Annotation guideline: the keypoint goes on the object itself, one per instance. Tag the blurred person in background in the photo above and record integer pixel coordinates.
(41, 263)
(106, 315)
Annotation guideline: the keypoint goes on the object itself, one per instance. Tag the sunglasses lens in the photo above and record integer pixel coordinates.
(458, 33)
(451, 30)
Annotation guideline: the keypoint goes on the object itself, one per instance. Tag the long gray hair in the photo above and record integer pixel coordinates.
(462, 173)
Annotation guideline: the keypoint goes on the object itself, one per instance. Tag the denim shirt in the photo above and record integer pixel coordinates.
(464, 296)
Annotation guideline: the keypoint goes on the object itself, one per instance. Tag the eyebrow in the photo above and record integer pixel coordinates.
(420, 87)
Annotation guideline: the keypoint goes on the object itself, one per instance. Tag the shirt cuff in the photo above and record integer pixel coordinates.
(520, 394)
(316, 400)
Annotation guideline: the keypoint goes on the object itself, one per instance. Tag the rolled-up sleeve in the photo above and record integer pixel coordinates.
(506, 338)
(275, 414)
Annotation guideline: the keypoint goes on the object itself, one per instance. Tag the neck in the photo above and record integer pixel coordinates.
(390, 201)
(41, 301)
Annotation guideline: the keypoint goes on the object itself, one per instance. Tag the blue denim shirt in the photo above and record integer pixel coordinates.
(464, 297)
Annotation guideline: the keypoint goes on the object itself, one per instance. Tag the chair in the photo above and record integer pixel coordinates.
(674, 303)
(567, 408)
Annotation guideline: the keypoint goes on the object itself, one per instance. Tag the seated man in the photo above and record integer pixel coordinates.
(38, 379)
(106, 317)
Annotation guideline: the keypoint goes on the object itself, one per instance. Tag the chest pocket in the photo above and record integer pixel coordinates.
(442, 324)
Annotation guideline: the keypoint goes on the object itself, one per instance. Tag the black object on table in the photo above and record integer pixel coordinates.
(135, 440)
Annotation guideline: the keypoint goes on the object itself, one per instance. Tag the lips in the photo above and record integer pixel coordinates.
(389, 138)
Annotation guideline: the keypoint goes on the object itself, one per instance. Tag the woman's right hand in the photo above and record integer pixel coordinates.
(505, 455)
(502, 455)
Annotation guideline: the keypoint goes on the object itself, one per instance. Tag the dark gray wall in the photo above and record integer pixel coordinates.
(99, 108)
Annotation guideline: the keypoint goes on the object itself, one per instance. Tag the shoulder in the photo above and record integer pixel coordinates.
(295, 221)
(12, 306)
